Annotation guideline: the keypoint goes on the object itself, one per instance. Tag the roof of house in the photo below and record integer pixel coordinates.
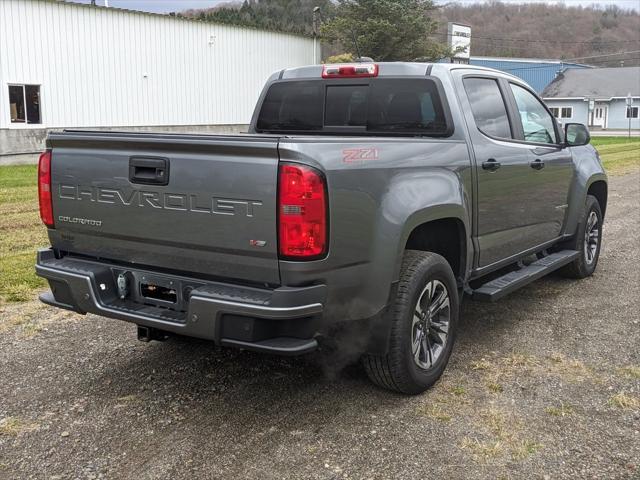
(595, 82)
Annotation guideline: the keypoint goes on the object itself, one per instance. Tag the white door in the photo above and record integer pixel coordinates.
(599, 116)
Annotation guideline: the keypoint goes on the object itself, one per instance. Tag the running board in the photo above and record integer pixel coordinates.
(510, 282)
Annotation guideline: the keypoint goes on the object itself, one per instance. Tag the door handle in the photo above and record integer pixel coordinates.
(149, 170)
(537, 164)
(491, 165)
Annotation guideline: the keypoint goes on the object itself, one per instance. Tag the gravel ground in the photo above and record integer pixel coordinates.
(544, 384)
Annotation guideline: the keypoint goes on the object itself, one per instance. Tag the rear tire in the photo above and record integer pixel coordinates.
(587, 241)
(424, 320)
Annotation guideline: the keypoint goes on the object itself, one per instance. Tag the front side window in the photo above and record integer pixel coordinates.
(632, 112)
(24, 104)
(537, 124)
(487, 105)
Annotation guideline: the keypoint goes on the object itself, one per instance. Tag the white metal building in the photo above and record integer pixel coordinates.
(74, 65)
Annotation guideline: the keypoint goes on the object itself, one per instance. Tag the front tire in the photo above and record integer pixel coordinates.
(587, 241)
(424, 320)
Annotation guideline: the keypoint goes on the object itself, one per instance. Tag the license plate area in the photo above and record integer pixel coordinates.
(157, 290)
(159, 293)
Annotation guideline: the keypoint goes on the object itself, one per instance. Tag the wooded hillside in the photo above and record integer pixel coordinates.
(534, 30)
(549, 31)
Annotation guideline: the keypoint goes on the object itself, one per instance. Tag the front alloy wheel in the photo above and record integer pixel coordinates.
(588, 241)
(591, 237)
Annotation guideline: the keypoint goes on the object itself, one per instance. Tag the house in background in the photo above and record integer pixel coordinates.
(596, 97)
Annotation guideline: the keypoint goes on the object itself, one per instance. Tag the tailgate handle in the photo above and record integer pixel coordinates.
(149, 170)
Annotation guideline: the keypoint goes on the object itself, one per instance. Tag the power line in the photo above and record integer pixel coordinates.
(560, 65)
(571, 42)
(571, 60)
(607, 55)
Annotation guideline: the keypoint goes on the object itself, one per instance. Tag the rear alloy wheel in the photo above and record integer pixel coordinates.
(423, 320)
(430, 330)
(587, 241)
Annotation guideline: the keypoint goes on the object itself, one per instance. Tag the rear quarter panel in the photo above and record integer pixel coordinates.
(379, 190)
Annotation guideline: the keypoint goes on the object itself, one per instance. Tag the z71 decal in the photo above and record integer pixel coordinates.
(358, 155)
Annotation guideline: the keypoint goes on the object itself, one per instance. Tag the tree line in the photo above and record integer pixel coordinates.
(416, 29)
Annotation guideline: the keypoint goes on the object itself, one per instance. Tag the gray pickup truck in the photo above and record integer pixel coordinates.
(365, 201)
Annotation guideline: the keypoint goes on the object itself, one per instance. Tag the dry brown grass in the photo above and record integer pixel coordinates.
(30, 318)
(444, 402)
(482, 450)
(13, 426)
(502, 436)
(495, 387)
(435, 411)
(630, 371)
(562, 410)
(625, 401)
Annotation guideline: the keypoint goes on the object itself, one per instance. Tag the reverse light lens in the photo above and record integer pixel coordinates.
(44, 188)
(302, 212)
(350, 70)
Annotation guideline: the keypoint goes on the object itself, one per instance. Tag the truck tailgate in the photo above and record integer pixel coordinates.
(203, 204)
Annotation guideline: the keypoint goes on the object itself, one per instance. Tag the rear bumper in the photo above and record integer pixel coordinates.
(283, 320)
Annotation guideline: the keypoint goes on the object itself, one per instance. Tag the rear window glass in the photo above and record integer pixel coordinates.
(408, 106)
(346, 105)
(292, 106)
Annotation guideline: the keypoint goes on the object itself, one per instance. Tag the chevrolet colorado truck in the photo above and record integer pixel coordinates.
(364, 202)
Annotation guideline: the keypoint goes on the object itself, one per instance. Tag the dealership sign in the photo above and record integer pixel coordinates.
(459, 40)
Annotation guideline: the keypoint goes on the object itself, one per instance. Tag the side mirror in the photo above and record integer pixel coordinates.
(576, 135)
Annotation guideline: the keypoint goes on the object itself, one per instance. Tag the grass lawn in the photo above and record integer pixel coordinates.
(22, 233)
(620, 155)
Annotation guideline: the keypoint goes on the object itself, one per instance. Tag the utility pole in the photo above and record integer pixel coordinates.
(316, 19)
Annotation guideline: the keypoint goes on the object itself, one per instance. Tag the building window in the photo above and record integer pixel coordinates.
(632, 112)
(24, 104)
(561, 112)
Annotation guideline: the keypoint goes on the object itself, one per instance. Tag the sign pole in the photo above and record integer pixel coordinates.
(629, 109)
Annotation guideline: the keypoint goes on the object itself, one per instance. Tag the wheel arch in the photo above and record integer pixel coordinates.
(443, 232)
(599, 189)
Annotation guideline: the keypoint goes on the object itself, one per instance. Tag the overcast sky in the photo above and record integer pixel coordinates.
(163, 6)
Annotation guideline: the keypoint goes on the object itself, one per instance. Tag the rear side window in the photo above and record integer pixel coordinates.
(377, 106)
(488, 107)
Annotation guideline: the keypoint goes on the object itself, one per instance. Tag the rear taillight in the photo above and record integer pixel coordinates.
(302, 212)
(44, 188)
(350, 71)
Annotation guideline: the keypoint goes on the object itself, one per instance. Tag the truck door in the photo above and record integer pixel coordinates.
(552, 164)
(507, 206)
